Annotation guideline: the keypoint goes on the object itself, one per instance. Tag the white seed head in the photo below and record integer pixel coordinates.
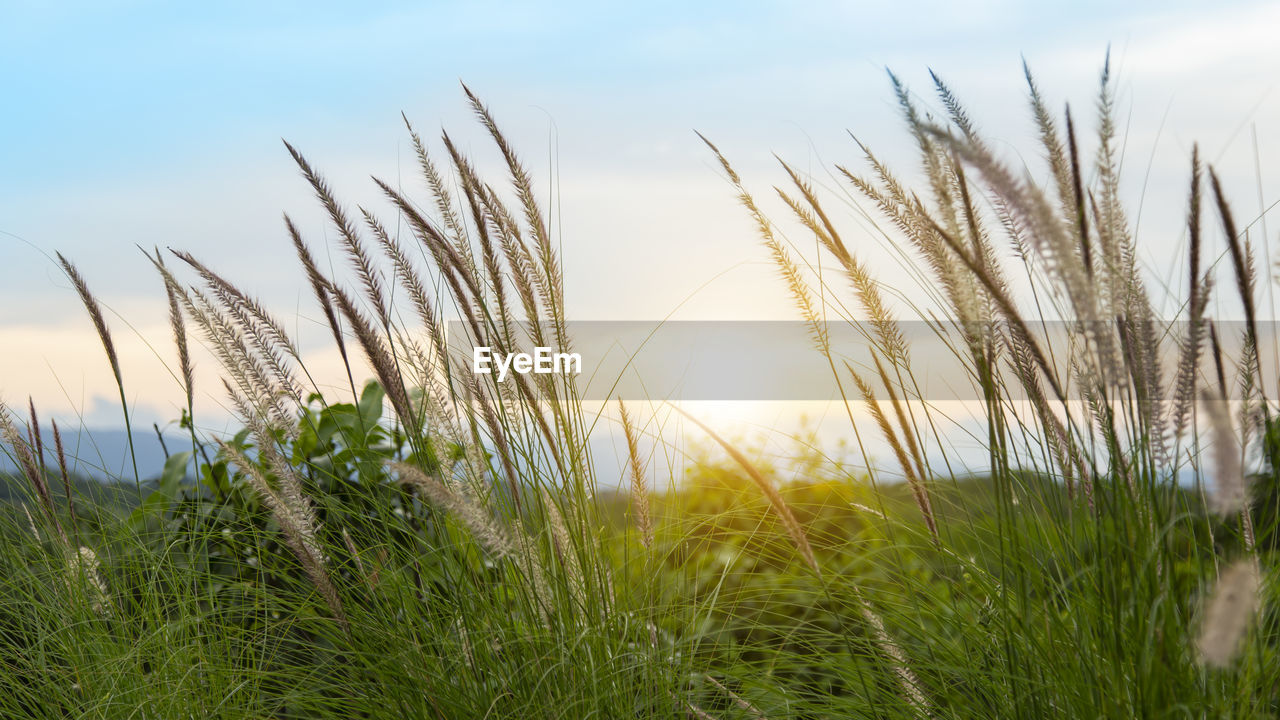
(1231, 610)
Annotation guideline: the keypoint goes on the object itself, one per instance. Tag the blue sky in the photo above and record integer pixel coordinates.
(101, 90)
(130, 123)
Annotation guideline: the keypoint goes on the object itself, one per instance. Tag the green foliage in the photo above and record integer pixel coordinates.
(438, 547)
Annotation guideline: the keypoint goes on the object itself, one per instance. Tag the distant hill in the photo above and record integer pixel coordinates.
(103, 454)
(15, 489)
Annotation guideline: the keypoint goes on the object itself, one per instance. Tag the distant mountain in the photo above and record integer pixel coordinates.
(103, 454)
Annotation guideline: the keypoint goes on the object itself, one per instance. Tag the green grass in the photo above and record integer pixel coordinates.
(437, 545)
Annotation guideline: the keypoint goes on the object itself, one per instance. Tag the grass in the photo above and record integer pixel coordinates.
(437, 544)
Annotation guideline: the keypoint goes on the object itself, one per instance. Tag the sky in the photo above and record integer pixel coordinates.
(127, 124)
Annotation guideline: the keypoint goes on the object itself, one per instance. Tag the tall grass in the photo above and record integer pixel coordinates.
(1092, 604)
(440, 544)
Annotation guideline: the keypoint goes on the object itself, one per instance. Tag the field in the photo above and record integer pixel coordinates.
(437, 543)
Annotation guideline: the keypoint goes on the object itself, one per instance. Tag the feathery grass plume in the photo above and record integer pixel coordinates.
(251, 373)
(459, 274)
(83, 568)
(66, 477)
(459, 245)
(791, 274)
(267, 381)
(528, 557)
(907, 429)
(1053, 242)
(380, 359)
(104, 334)
(369, 275)
(1246, 279)
(22, 448)
(370, 579)
(908, 214)
(935, 172)
(178, 325)
(963, 293)
(95, 313)
(913, 691)
(255, 326)
(532, 291)
(290, 490)
(1232, 608)
(1113, 238)
(289, 493)
(1253, 419)
(954, 204)
(1252, 405)
(410, 278)
(252, 317)
(296, 519)
(973, 313)
(1216, 350)
(288, 500)
(1014, 231)
(81, 564)
(472, 190)
(1059, 166)
(483, 527)
(30, 468)
(1008, 309)
(1137, 331)
(639, 485)
(493, 278)
(34, 435)
(533, 409)
(869, 510)
(435, 184)
(955, 110)
(1148, 376)
(1124, 293)
(549, 269)
(441, 411)
(867, 291)
(1229, 494)
(31, 523)
(419, 368)
(918, 490)
(355, 554)
(1077, 206)
(320, 288)
(1199, 290)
